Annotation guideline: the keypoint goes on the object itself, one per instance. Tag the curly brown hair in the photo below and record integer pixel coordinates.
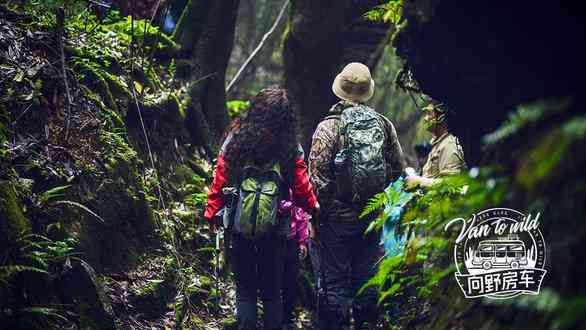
(267, 132)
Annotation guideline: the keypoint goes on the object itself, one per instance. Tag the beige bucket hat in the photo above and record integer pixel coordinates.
(354, 83)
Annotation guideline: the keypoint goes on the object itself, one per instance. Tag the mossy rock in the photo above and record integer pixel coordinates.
(164, 106)
(123, 202)
(230, 323)
(186, 181)
(79, 287)
(112, 117)
(154, 298)
(91, 75)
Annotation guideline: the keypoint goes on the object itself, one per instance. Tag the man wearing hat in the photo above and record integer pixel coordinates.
(348, 257)
(446, 156)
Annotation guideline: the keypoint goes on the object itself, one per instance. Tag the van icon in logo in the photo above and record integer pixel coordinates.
(499, 254)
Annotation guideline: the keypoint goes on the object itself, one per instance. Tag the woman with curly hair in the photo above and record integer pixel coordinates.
(266, 135)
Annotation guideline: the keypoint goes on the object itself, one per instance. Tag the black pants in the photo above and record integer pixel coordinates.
(259, 266)
(349, 260)
(290, 286)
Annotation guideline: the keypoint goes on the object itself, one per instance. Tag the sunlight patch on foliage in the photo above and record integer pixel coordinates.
(390, 12)
(237, 108)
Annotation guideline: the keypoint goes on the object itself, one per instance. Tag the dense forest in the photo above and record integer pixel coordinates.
(112, 115)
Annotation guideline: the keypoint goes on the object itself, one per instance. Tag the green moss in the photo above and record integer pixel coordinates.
(122, 161)
(118, 86)
(187, 180)
(91, 76)
(154, 297)
(113, 118)
(230, 323)
(13, 223)
(124, 29)
(122, 200)
(166, 102)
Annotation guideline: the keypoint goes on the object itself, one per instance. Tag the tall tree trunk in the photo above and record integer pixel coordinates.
(322, 37)
(311, 51)
(206, 33)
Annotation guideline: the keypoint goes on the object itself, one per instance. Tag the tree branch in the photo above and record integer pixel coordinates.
(257, 49)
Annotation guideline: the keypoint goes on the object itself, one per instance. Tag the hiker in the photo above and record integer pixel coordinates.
(355, 153)
(262, 160)
(296, 250)
(446, 156)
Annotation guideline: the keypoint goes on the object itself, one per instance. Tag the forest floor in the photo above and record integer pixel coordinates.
(124, 289)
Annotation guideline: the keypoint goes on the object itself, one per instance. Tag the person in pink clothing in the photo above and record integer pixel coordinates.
(296, 250)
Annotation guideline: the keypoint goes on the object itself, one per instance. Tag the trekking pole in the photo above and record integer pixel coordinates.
(231, 197)
(217, 268)
(320, 281)
(222, 233)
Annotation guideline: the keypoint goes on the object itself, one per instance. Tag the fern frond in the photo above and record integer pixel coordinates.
(373, 204)
(29, 238)
(44, 311)
(81, 206)
(7, 272)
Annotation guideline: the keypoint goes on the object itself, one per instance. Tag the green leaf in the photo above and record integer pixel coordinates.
(385, 294)
(52, 193)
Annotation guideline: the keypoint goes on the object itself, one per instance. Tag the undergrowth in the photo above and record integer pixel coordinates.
(408, 281)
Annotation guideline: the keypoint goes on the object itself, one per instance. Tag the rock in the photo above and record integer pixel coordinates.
(78, 286)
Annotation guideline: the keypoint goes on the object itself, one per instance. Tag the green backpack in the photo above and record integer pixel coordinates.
(259, 194)
(360, 165)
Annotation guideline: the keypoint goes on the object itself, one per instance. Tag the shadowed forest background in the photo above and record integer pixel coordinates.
(111, 114)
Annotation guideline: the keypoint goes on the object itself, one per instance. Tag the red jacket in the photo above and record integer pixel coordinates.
(303, 195)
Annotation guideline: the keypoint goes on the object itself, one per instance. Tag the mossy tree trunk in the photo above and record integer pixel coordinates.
(206, 33)
(322, 37)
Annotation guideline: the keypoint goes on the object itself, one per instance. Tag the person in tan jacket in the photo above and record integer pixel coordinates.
(446, 156)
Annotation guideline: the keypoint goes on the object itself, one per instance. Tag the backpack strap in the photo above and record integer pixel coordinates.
(337, 117)
(387, 125)
(386, 121)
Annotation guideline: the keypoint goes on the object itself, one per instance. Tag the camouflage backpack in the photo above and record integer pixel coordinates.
(258, 200)
(360, 166)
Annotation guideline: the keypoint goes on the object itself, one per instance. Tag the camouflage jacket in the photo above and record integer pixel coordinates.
(325, 144)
